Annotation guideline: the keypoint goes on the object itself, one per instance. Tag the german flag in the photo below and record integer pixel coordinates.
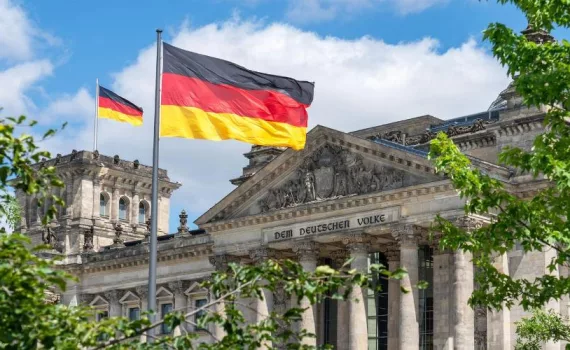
(113, 106)
(209, 98)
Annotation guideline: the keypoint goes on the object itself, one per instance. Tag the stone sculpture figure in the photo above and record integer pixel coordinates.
(88, 239)
(310, 187)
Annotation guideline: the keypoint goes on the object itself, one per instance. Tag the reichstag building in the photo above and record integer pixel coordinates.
(368, 194)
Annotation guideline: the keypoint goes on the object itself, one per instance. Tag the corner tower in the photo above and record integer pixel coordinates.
(100, 193)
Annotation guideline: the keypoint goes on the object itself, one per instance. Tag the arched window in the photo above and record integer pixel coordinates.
(103, 205)
(34, 214)
(142, 212)
(123, 209)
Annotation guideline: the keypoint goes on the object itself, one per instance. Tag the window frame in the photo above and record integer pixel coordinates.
(129, 301)
(164, 296)
(104, 198)
(127, 203)
(146, 208)
(193, 294)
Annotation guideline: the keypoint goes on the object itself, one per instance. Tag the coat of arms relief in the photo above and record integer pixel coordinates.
(331, 172)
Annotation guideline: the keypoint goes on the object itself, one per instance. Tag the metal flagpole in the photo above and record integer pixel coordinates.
(96, 121)
(154, 205)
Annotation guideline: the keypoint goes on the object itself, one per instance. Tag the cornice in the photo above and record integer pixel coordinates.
(179, 248)
(301, 211)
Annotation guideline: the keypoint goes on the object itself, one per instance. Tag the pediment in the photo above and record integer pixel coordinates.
(129, 297)
(99, 301)
(163, 293)
(333, 165)
(195, 288)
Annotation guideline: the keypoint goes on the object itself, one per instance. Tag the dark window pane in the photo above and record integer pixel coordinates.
(198, 303)
(164, 310)
(134, 313)
(122, 209)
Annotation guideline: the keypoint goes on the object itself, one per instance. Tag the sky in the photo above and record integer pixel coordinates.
(372, 61)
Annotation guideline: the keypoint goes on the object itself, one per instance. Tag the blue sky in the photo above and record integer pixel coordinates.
(374, 61)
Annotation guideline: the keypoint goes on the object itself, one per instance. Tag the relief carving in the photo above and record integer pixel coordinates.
(329, 173)
(399, 137)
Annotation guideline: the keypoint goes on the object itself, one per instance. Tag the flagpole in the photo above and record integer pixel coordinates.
(154, 205)
(96, 121)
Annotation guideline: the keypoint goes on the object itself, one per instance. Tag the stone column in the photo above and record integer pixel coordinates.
(135, 209)
(357, 323)
(262, 307)
(392, 253)
(499, 322)
(342, 338)
(220, 263)
(464, 320)
(442, 302)
(96, 198)
(307, 253)
(409, 334)
(177, 287)
(112, 297)
(115, 205)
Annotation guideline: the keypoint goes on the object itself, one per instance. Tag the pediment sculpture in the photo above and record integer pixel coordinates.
(331, 172)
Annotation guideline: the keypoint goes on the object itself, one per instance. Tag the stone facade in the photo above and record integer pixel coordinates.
(369, 195)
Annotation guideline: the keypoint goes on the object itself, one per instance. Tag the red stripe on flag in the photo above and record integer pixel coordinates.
(268, 105)
(114, 105)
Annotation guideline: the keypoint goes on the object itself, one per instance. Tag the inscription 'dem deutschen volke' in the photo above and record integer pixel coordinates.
(333, 225)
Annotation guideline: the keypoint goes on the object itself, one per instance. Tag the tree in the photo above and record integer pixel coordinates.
(541, 76)
(28, 320)
(541, 327)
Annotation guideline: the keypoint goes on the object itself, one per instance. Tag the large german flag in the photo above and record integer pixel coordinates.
(113, 106)
(209, 98)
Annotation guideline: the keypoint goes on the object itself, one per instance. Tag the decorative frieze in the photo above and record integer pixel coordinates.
(391, 251)
(142, 291)
(221, 261)
(339, 257)
(468, 223)
(331, 172)
(112, 296)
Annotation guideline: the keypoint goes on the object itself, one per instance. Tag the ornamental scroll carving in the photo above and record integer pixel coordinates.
(331, 172)
(399, 137)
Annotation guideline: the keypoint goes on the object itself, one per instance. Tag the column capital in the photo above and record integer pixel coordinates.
(391, 252)
(261, 254)
(468, 223)
(306, 250)
(357, 242)
(112, 296)
(221, 261)
(339, 257)
(406, 236)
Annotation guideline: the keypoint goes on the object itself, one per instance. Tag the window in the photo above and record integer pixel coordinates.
(134, 313)
(103, 211)
(378, 307)
(101, 315)
(165, 309)
(142, 213)
(198, 303)
(426, 297)
(123, 209)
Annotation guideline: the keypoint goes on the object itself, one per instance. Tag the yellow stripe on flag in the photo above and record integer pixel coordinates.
(114, 115)
(195, 123)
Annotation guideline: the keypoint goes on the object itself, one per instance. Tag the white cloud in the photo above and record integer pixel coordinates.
(16, 81)
(359, 83)
(16, 32)
(326, 10)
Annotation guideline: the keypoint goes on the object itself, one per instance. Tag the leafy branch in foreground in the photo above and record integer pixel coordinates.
(540, 67)
(29, 322)
(541, 327)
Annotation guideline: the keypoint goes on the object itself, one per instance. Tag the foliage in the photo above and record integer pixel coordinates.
(541, 75)
(27, 320)
(542, 327)
(13, 213)
(18, 152)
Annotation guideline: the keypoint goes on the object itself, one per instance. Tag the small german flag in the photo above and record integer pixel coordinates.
(113, 106)
(209, 98)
